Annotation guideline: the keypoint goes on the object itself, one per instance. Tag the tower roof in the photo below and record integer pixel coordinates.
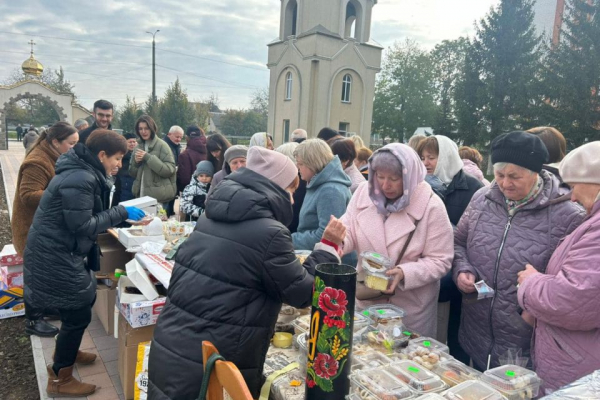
(31, 66)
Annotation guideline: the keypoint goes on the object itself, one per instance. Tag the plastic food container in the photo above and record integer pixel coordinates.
(514, 382)
(418, 378)
(384, 314)
(473, 390)
(373, 359)
(387, 338)
(302, 255)
(302, 344)
(360, 321)
(301, 324)
(374, 265)
(454, 372)
(431, 396)
(430, 344)
(375, 384)
(290, 386)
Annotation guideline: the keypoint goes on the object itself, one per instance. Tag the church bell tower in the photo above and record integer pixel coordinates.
(323, 67)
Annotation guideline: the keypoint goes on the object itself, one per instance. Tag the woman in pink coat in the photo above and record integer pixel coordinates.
(380, 218)
(564, 303)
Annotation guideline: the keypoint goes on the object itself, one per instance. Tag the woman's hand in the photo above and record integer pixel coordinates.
(466, 282)
(335, 231)
(397, 275)
(527, 317)
(139, 155)
(526, 273)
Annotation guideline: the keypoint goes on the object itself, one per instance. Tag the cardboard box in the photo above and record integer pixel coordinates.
(129, 339)
(11, 303)
(12, 276)
(104, 306)
(128, 240)
(114, 255)
(135, 308)
(9, 257)
(148, 204)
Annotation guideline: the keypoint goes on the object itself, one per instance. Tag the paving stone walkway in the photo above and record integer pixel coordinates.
(103, 372)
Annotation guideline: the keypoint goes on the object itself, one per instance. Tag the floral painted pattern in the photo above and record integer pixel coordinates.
(329, 342)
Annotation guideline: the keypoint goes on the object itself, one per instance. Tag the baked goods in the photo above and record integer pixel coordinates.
(374, 266)
(384, 314)
(473, 390)
(453, 372)
(418, 378)
(513, 381)
(376, 384)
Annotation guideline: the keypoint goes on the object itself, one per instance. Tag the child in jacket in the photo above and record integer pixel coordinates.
(194, 195)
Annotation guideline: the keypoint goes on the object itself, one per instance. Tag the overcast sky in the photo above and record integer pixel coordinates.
(212, 46)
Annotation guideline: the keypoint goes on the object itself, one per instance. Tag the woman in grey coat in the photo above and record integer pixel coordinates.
(518, 220)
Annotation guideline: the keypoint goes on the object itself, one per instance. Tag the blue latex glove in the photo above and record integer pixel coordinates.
(134, 213)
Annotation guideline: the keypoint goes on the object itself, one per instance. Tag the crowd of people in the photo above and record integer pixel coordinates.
(530, 234)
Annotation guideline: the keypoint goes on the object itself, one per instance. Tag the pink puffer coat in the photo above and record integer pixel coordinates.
(566, 304)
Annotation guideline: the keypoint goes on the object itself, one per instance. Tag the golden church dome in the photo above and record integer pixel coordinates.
(31, 66)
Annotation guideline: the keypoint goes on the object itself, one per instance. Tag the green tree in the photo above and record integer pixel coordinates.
(508, 47)
(405, 93)
(152, 108)
(448, 59)
(128, 114)
(232, 123)
(572, 77)
(254, 122)
(469, 99)
(175, 108)
(259, 113)
(201, 111)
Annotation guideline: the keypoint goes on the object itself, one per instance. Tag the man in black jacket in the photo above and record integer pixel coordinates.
(231, 277)
(103, 115)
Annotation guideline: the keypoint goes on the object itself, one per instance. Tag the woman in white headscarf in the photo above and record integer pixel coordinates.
(261, 139)
(456, 187)
(441, 159)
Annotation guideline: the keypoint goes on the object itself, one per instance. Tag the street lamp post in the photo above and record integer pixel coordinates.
(153, 64)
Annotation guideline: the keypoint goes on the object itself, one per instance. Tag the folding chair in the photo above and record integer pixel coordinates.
(221, 375)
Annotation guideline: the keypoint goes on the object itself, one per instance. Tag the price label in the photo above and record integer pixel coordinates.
(427, 343)
(413, 369)
(510, 373)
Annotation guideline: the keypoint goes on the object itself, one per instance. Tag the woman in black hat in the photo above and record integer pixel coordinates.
(518, 220)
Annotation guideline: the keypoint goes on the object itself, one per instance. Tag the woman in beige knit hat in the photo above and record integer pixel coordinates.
(564, 300)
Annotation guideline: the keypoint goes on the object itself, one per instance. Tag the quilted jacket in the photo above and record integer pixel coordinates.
(495, 247)
(157, 170)
(71, 214)
(230, 278)
(566, 305)
(189, 159)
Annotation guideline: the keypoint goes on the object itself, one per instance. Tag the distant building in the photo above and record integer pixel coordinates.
(323, 68)
(214, 122)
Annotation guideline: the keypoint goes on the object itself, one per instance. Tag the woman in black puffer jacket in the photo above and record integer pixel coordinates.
(62, 252)
(231, 277)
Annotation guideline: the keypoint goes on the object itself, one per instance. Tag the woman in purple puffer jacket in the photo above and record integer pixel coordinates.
(518, 220)
(565, 301)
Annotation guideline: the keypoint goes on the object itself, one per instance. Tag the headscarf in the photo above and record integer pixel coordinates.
(449, 162)
(259, 139)
(413, 173)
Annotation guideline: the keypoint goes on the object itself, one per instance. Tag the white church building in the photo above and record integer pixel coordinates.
(323, 68)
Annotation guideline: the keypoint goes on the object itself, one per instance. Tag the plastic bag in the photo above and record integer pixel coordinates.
(514, 357)
(586, 388)
(483, 290)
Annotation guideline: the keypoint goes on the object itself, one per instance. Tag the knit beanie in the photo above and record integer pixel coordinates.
(272, 165)
(129, 135)
(520, 148)
(582, 165)
(194, 130)
(234, 152)
(205, 167)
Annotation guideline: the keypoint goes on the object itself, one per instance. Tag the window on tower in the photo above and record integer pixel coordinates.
(288, 86)
(291, 19)
(346, 88)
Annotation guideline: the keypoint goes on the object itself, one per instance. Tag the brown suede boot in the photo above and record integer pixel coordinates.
(84, 358)
(64, 385)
